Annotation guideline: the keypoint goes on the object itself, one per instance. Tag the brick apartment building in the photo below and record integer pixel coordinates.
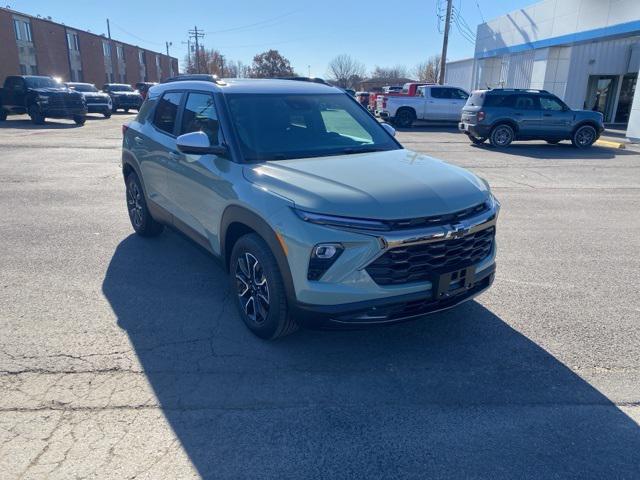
(37, 46)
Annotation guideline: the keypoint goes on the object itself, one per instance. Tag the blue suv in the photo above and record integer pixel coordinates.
(504, 115)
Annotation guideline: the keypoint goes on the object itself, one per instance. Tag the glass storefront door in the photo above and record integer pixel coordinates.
(601, 91)
(627, 90)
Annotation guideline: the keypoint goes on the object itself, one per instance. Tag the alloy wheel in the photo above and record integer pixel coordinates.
(134, 204)
(585, 136)
(252, 288)
(502, 136)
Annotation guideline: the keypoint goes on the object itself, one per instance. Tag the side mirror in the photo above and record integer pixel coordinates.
(197, 143)
(390, 130)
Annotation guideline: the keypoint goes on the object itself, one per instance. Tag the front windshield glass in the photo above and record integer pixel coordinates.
(83, 87)
(42, 82)
(121, 88)
(281, 126)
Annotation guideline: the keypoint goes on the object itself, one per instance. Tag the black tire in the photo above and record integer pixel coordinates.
(36, 117)
(141, 220)
(584, 136)
(477, 140)
(501, 135)
(114, 109)
(3, 115)
(126, 110)
(79, 119)
(107, 114)
(553, 142)
(257, 284)
(404, 118)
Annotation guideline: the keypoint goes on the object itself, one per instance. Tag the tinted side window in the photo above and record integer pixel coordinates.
(145, 109)
(458, 94)
(496, 101)
(167, 111)
(437, 92)
(526, 102)
(550, 103)
(476, 99)
(200, 116)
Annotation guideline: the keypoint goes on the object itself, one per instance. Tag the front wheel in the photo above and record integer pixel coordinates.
(126, 110)
(404, 118)
(141, 220)
(79, 119)
(36, 116)
(259, 289)
(114, 109)
(107, 114)
(3, 115)
(501, 136)
(584, 136)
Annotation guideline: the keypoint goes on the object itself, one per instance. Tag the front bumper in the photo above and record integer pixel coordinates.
(393, 309)
(126, 102)
(98, 107)
(63, 112)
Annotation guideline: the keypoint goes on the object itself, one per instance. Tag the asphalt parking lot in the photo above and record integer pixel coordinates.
(123, 357)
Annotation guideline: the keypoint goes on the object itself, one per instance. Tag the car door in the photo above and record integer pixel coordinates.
(198, 184)
(527, 114)
(557, 118)
(458, 99)
(420, 102)
(437, 106)
(154, 145)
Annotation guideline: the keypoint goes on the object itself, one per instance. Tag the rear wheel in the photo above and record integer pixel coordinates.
(3, 115)
(584, 136)
(114, 109)
(257, 283)
(126, 110)
(36, 116)
(107, 114)
(404, 118)
(477, 140)
(79, 119)
(141, 220)
(501, 135)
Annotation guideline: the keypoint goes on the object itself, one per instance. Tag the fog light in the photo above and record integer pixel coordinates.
(322, 257)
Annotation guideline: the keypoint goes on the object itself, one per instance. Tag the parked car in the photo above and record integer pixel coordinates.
(505, 115)
(363, 98)
(389, 89)
(40, 97)
(439, 103)
(410, 89)
(318, 213)
(97, 101)
(350, 91)
(122, 97)
(143, 88)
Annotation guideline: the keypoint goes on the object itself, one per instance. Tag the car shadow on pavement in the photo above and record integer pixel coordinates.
(29, 125)
(458, 394)
(561, 151)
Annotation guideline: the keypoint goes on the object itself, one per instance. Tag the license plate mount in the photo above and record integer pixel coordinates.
(453, 283)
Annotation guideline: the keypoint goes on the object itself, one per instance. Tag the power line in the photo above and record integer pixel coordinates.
(255, 24)
(134, 35)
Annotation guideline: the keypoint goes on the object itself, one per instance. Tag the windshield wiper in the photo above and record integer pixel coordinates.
(350, 150)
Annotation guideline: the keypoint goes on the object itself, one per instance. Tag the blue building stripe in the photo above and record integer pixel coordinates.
(595, 34)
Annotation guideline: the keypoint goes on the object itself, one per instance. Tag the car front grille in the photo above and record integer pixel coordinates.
(96, 99)
(65, 101)
(447, 219)
(418, 263)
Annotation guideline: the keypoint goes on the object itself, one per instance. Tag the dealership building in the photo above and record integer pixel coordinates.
(585, 51)
(39, 46)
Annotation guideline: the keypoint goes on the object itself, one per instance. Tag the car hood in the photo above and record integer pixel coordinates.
(52, 90)
(388, 185)
(135, 94)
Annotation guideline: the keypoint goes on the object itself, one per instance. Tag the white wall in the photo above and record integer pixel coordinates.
(553, 18)
(460, 74)
(633, 129)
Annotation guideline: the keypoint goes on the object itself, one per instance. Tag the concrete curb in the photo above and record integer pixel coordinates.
(611, 144)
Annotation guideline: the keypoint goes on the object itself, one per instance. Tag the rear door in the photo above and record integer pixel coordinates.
(437, 106)
(526, 113)
(557, 118)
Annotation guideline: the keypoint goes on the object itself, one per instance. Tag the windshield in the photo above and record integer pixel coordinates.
(120, 88)
(83, 87)
(280, 126)
(42, 82)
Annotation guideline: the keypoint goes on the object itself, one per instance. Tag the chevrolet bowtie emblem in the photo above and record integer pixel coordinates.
(457, 231)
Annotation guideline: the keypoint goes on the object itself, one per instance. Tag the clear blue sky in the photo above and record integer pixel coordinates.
(307, 32)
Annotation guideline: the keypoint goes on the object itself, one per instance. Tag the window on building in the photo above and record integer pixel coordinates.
(27, 29)
(141, 57)
(166, 112)
(23, 69)
(18, 29)
(120, 52)
(72, 42)
(34, 70)
(123, 78)
(157, 61)
(106, 49)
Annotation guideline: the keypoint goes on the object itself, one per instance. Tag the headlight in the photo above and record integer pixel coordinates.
(342, 222)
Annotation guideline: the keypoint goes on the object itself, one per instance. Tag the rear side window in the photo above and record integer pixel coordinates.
(145, 109)
(440, 92)
(496, 101)
(526, 102)
(458, 94)
(476, 99)
(167, 111)
(200, 116)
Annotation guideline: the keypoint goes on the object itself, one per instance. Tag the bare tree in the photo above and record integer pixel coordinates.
(345, 71)
(428, 71)
(391, 73)
(270, 64)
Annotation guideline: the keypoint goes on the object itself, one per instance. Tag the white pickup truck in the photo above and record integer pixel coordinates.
(438, 103)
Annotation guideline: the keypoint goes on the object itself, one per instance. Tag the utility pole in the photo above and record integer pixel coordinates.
(108, 29)
(168, 44)
(445, 43)
(221, 65)
(197, 35)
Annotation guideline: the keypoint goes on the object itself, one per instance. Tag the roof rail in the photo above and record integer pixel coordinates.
(519, 90)
(202, 77)
(305, 79)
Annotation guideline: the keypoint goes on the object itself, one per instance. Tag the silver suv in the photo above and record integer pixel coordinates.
(318, 213)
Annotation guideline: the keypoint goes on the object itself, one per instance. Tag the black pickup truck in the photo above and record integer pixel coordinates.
(40, 97)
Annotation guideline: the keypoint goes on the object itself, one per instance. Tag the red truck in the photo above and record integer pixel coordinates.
(408, 89)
